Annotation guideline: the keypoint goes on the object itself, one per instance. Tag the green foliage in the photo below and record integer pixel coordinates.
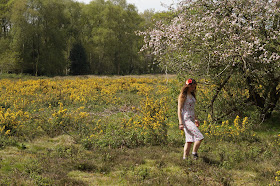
(9, 61)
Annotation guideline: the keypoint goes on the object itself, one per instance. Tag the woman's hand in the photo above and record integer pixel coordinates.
(181, 126)
(197, 123)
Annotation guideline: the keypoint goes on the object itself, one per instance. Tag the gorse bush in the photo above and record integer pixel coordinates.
(277, 178)
(151, 122)
(62, 120)
(239, 130)
(11, 123)
(148, 125)
(77, 107)
(99, 112)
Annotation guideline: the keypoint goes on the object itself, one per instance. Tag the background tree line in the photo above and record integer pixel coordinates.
(49, 37)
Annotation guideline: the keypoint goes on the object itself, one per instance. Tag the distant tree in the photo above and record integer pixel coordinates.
(111, 42)
(151, 18)
(38, 33)
(74, 30)
(4, 17)
(78, 59)
(8, 58)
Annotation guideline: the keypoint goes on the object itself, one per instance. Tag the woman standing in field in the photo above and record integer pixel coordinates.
(187, 119)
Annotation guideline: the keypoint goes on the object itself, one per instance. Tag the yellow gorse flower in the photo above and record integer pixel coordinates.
(225, 130)
(277, 177)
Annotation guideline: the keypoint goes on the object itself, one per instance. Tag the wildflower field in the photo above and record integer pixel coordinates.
(93, 130)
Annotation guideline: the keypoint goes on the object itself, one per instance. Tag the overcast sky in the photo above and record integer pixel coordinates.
(146, 4)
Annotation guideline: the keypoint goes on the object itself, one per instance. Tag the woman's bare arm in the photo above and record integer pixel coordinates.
(180, 106)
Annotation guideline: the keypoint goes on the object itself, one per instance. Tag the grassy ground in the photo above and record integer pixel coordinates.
(60, 161)
(54, 156)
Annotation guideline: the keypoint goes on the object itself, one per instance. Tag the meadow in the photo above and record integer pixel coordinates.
(91, 130)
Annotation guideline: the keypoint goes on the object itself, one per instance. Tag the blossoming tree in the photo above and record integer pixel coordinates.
(227, 41)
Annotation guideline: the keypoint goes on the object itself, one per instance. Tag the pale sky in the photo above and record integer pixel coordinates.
(146, 4)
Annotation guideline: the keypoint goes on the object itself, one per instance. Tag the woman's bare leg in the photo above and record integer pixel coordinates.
(187, 149)
(196, 146)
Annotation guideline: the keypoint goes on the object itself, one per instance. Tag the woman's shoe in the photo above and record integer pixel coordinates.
(195, 156)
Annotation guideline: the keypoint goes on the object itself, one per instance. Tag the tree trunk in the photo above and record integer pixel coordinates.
(217, 93)
(271, 102)
(253, 95)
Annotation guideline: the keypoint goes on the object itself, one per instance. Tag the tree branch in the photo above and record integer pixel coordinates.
(218, 91)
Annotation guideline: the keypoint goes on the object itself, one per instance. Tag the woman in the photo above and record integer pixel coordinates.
(187, 119)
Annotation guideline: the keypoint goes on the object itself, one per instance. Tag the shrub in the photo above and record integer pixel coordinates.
(237, 131)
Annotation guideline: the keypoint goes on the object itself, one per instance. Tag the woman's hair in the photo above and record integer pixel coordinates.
(184, 90)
